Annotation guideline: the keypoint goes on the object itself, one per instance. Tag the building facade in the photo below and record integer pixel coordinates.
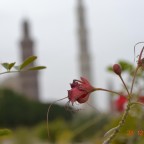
(28, 80)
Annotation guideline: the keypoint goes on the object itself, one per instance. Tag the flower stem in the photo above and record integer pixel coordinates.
(9, 72)
(139, 103)
(49, 111)
(134, 79)
(122, 121)
(124, 85)
(101, 89)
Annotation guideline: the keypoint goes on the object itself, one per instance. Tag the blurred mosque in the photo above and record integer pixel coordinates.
(85, 62)
(84, 49)
(27, 83)
(29, 80)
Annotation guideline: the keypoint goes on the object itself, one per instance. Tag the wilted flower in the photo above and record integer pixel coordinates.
(80, 91)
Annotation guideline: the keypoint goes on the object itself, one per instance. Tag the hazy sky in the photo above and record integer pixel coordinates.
(114, 26)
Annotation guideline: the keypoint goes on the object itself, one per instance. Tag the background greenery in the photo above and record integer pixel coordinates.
(27, 120)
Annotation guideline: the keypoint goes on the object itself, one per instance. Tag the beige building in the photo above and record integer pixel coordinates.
(84, 50)
(28, 80)
(25, 82)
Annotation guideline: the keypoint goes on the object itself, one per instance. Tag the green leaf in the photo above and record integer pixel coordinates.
(27, 62)
(126, 66)
(8, 66)
(110, 69)
(37, 68)
(4, 132)
(11, 65)
(5, 65)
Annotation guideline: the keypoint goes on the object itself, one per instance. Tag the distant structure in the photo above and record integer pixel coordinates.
(28, 80)
(84, 55)
(110, 97)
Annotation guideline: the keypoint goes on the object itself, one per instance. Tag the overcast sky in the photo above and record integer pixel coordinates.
(114, 26)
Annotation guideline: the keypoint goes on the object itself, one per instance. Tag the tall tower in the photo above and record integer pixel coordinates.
(110, 98)
(29, 80)
(85, 62)
(84, 54)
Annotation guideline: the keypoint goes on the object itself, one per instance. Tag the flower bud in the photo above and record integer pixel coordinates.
(117, 69)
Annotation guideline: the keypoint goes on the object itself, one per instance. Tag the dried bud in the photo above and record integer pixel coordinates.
(117, 69)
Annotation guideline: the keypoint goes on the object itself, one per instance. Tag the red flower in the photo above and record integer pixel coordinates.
(80, 90)
(141, 99)
(120, 102)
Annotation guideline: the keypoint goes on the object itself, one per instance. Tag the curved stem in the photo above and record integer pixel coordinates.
(121, 123)
(101, 89)
(14, 71)
(139, 103)
(10, 72)
(134, 79)
(49, 111)
(124, 84)
(135, 47)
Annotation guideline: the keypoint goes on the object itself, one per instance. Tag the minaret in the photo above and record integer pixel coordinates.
(29, 80)
(110, 97)
(85, 62)
(84, 55)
